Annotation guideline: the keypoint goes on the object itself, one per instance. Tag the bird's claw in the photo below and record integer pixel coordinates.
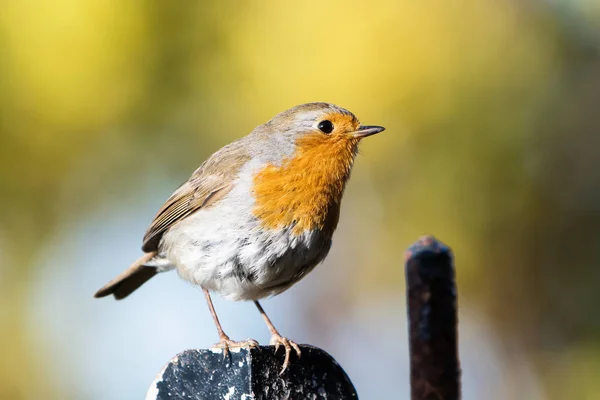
(225, 344)
(278, 340)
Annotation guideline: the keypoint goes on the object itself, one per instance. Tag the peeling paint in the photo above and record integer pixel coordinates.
(229, 393)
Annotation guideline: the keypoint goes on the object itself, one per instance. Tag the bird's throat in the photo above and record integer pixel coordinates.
(305, 191)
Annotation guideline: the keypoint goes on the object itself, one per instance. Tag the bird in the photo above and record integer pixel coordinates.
(257, 216)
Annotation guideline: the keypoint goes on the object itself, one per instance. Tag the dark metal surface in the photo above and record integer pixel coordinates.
(251, 374)
(432, 317)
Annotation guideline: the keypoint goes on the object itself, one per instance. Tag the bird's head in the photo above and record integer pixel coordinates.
(317, 124)
(311, 150)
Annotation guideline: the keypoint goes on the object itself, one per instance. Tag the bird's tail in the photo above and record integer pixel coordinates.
(131, 279)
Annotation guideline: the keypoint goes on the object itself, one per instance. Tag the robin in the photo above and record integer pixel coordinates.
(257, 216)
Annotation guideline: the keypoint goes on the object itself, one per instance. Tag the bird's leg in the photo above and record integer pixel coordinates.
(225, 343)
(277, 339)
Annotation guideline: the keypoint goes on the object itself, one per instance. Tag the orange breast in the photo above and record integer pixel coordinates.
(306, 190)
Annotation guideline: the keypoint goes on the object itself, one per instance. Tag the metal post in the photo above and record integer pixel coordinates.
(204, 374)
(432, 317)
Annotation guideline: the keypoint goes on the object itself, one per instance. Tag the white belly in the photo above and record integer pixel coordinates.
(224, 249)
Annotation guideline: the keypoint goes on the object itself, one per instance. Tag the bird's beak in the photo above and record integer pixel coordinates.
(366, 130)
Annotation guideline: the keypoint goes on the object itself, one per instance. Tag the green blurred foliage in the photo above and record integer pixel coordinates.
(492, 116)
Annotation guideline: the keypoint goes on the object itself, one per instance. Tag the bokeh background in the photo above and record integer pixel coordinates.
(492, 111)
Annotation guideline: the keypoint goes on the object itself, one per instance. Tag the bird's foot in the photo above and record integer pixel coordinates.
(278, 340)
(225, 344)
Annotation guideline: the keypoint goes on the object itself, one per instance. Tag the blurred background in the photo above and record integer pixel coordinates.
(492, 111)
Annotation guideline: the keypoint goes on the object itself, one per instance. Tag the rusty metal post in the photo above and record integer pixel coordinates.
(432, 320)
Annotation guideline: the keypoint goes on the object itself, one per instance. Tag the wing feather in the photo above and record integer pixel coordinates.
(209, 183)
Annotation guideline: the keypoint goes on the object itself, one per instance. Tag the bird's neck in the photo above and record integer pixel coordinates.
(305, 191)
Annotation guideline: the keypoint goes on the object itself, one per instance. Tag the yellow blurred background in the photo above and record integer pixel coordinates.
(492, 110)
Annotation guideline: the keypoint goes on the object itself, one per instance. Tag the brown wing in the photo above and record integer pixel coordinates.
(209, 183)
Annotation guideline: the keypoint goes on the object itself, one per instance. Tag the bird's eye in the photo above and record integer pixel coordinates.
(326, 126)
